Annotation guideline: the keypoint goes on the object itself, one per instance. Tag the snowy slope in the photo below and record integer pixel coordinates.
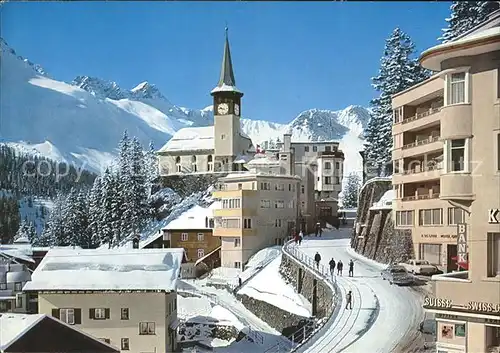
(82, 121)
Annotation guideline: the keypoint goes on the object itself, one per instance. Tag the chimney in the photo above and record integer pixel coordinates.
(135, 243)
(287, 142)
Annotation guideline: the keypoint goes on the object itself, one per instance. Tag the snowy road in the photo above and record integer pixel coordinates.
(382, 314)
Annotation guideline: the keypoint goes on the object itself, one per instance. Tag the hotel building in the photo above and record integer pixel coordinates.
(447, 181)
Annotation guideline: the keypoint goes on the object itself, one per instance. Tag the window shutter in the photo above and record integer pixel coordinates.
(78, 316)
(55, 313)
(91, 313)
(107, 313)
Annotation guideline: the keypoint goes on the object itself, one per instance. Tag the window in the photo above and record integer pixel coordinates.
(284, 157)
(210, 163)
(430, 217)
(315, 148)
(398, 115)
(124, 313)
(178, 166)
(105, 340)
(455, 215)
(146, 328)
(302, 189)
(336, 180)
(99, 313)
(231, 203)
(237, 264)
(265, 204)
(337, 165)
(457, 87)
(303, 204)
(328, 166)
(457, 155)
(200, 253)
(498, 151)
(460, 330)
(278, 223)
(240, 186)
(247, 223)
(223, 136)
(125, 345)
(4, 306)
(279, 187)
(200, 236)
(493, 254)
(265, 186)
(328, 180)
(18, 286)
(328, 148)
(404, 218)
(67, 316)
(306, 148)
(237, 242)
(19, 301)
(3, 286)
(230, 223)
(184, 236)
(193, 164)
(279, 204)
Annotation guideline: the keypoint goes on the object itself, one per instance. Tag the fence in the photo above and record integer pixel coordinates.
(321, 271)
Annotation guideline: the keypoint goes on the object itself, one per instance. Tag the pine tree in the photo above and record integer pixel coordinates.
(350, 195)
(138, 198)
(53, 233)
(108, 215)
(95, 213)
(23, 232)
(398, 71)
(151, 168)
(465, 15)
(122, 187)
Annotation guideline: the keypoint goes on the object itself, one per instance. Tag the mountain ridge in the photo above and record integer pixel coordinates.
(82, 121)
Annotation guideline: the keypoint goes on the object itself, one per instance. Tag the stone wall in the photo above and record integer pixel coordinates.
(375, 236)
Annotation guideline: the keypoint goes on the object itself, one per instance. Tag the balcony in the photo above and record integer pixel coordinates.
(421, 115)
(422, 142)
(225, 193)
(417, 192)
(417, 143)
(235, 212)
(233, 232)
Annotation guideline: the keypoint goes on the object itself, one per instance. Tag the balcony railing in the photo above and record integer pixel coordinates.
(426, 141)
(421, 197)
(421, 115)
(429, 168)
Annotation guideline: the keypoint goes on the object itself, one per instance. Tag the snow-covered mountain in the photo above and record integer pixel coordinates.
(82, 121)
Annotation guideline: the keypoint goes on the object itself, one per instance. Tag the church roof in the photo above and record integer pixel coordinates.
(227, 82)
(193, 139)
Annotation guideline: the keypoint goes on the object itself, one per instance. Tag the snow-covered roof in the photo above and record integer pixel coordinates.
(252, 175)
(385, 202)
(241, 159)
(107, 269)
(262, 159)
(194, 218)
(225, 88)
(193, 139)
(432, 57)
(15, 326)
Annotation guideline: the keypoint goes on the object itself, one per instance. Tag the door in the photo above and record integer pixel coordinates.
(451, 263)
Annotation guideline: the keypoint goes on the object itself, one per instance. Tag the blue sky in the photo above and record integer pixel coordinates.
(287, 56)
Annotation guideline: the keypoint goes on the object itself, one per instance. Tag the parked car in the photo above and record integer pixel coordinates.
(420, 267)
(397, 274)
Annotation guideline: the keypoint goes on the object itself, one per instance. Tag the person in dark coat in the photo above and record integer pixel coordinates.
(332, 266)
(239, 281)
(316, 232)
(297, 239)
(320, 231)
(300, 239)
(317, 259)
(348, 305)
(351, 268)
(340, 267)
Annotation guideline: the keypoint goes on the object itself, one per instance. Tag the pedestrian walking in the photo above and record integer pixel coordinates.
(300, 240)
(320, 231)
(340, 267)
(296, 239)
(348, 305)
(239, 282)
(332, 267)
(317, 259)
(316, 232)
(351, 268)
(301, 234)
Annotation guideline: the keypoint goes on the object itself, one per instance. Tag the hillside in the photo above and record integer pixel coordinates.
(81, 122)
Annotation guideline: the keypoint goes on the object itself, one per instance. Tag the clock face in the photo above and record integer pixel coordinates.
(223, 109)
(236, 109)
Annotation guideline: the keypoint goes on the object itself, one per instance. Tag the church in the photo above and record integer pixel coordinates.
(222, 147)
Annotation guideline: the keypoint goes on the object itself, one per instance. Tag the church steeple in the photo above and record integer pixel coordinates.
(227, 82)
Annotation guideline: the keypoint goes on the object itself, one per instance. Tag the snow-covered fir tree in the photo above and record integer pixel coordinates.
(398, 71)
(95, 212)
(109, 217)
(350, 195)
(23, 232)
(151, 168)
(53, 233)
(138, 198)
(76, 219)
(465, 15)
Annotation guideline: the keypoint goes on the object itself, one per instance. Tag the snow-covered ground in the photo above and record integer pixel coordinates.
(382, 314)
(268, 286)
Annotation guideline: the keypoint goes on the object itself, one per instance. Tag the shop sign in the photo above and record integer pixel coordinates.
(447, 236)
(483, 307)
(437, 303)
(478, 320)
(462, 243)
(494, 216)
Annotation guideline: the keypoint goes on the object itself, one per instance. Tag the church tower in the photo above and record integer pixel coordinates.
(227, 110)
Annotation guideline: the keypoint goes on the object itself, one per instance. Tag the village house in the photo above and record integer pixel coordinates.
(192, 231)
(21, 333)
(447, 183)
(125, 297)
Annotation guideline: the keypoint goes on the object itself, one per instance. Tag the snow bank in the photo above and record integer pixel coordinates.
(270, 287)
(114, 269)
